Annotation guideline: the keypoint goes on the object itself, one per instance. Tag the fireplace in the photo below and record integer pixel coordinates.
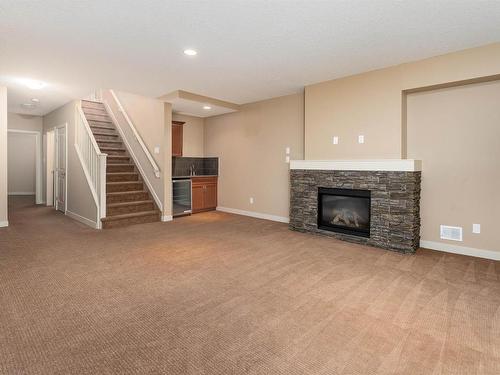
(388, 192)
(344, 211)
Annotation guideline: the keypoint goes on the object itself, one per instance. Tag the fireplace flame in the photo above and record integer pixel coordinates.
(345, 217)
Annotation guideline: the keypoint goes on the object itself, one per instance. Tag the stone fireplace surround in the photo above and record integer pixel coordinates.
(395, 198)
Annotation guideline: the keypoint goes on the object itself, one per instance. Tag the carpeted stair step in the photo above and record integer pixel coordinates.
(116, 168)
(95, 111)
(98, 118)
(105, 136)
(108, 131)
(127, 196)
(89, 104)
(102, 127)
(122, 176)
(113, 150)
(130, 219)
(108, 143)
(114, 187)
(117, 159)
(121, 208)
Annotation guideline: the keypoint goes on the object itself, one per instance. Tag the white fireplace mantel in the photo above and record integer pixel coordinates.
(401, 165)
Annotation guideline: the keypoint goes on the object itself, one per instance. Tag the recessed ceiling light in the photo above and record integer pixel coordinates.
(35, 100)
(190, 52)
(207, 107)
(28, 105)
(34, 85)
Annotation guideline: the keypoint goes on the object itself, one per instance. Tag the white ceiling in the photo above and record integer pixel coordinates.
(187, 103)
(248, 50)
(195, 108)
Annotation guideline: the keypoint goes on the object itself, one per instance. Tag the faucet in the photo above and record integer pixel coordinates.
(192, 171)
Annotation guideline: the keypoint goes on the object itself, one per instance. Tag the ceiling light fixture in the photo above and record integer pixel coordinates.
(28, 105)
(35, 100)
(33, 84)
(190, 52)
(207, 107)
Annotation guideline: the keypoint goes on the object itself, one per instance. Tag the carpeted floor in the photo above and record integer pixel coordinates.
(216, 293)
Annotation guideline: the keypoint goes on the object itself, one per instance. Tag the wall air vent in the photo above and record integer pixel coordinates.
(451, 233)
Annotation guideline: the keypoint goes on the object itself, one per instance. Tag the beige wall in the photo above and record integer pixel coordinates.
(79, 196)
(21, 163)
(3, 156)
(251, 146)
(25, 122)
(452, 130)
(371, 104)
(193, 135)
(456, 133)
(147, 116)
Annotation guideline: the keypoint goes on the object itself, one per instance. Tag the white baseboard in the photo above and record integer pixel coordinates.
(82, 219)
(470, 251)
(167, 218)
(4, 224)
(258, 215)
(22, 193)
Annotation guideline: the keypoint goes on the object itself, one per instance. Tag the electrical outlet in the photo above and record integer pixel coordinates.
(335, 140)
(251, 200)
(361, 139)
(476, 228)
(157, 149)
(287, 159)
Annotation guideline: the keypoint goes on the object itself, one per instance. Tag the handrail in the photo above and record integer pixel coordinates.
(89, 131)
(93, 161)
(134, 157)
(136, 134)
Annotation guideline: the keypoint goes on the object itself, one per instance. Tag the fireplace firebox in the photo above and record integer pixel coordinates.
(344, 211)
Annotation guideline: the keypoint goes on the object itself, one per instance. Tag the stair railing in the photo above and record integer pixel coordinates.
(93, 161)
(136, 135)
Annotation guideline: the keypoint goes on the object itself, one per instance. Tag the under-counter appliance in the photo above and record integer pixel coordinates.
(181, 196)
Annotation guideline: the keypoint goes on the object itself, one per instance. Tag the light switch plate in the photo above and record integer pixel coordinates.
(476, 228)
(157, 149)
(287, 150)
(361, 139)
(335, 140)
(251, 200)
(287, 159)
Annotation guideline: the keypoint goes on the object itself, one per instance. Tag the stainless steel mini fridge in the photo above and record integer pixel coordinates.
(181, 193)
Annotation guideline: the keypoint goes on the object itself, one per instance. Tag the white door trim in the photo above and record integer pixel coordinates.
(49, 142)
(38, 161)
(65, 126)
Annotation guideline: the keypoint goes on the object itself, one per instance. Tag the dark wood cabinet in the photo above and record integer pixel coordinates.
(197, 195)
(177, 138)
(210, 195)
(204, 193)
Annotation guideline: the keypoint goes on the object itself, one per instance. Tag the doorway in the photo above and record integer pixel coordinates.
(24, 163)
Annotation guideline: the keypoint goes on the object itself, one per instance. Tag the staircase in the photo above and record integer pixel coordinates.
(128, 200)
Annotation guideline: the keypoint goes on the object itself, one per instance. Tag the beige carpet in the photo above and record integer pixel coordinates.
(224, 294)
